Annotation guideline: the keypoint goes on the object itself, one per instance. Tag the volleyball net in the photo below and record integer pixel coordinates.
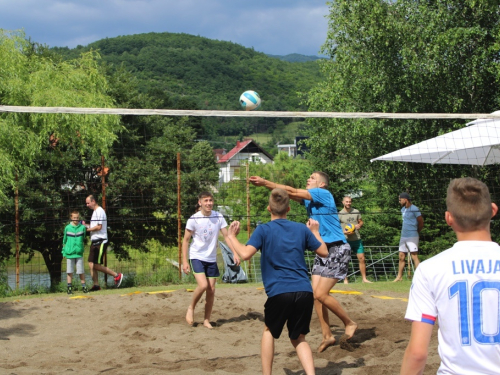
(150, 180)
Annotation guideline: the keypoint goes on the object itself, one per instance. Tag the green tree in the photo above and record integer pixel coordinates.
(34, 76)
(402, 56)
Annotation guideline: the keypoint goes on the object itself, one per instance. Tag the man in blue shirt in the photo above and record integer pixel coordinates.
(326, 272)
(284, 272)
(413, 222)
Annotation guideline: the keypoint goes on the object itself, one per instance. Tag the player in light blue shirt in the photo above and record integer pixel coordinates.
(413, 222)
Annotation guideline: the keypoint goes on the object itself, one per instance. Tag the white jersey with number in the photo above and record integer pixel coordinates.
(205, 232)
(461, 288)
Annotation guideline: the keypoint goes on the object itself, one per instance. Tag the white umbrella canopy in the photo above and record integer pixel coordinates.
(477, 144)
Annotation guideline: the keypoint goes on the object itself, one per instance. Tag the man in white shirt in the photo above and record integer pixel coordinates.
(200, 254)
(98, 229)
(459, 287)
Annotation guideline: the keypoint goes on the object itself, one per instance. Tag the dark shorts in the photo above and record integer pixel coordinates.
(294, 309)
(97, 251)
(210, 269)
(357, 247)
(335, 266)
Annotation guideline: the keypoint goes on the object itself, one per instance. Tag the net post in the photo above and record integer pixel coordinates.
(179, 232)
(16, 203)
(248, 210)
(103, 205)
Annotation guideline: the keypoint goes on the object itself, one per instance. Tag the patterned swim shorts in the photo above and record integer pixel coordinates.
(335, 266)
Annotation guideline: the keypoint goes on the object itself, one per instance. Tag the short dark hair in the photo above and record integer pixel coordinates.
(205, 194)
(74, 212)
(405, 196)
(91, 197)
(324, 177)
(469, 203)
(279, 201)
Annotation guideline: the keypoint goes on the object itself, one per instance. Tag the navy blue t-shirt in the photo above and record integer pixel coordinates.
(282, 244)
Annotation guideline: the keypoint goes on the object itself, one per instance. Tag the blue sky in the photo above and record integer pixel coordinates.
(274, 26)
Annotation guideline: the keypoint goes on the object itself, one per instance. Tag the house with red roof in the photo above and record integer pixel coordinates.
(246, 151)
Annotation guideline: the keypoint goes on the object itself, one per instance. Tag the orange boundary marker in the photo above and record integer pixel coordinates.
(161, 291)
(130, 294)
(80, 297)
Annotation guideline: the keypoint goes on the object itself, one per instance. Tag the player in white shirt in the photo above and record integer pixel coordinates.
(460, 288)
(203, 227)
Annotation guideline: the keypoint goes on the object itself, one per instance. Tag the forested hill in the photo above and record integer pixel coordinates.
(211, 74)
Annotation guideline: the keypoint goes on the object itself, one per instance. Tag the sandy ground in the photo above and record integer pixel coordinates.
(145, 333)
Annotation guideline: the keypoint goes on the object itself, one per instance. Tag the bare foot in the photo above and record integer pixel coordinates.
(367, 281)
(206, 323)
(350, 329)
(398, 279)
(190, 316)
(326, 343)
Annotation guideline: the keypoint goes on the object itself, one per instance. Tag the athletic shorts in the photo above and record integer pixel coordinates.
(70, 265)
(408, 244)
(357, 246)
(210, 269)
(294, 309)
(97, 251)
(335, 266)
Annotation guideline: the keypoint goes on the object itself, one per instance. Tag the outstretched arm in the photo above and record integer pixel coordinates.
(295, 194)
(245, 251)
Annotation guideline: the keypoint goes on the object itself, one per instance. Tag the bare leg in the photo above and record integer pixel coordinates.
(322, 293)
(322, 312)
(69, 278)
(414, 257)
(267, 352)
(305, 354)
(202, 286)
(94, 274)
(402, 257)
(362, 267)
(100, 268)
(209, 303)
(346, 281)
(82, 278)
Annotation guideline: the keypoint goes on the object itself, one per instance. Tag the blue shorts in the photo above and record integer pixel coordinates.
(210, 269)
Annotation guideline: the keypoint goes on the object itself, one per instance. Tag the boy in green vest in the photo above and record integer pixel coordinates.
(73, 248)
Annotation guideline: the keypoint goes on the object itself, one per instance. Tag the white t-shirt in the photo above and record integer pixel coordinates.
(99, 217)
(205, 232)
(461, 288)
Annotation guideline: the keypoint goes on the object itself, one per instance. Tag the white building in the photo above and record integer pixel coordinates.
(245, 151)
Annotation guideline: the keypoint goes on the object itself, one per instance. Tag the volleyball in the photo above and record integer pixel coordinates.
(349, 228)
(250, 100)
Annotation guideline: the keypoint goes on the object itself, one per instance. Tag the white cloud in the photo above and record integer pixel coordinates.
(277, 27)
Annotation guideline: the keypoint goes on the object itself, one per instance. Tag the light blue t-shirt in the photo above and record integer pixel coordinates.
(282, 244)
(410, 223)
(322, 209)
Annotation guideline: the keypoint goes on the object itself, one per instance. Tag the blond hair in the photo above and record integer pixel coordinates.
(279, 202)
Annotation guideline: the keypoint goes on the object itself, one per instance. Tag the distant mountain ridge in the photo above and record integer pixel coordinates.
(212, 73)
(296, 57)
(184, 71)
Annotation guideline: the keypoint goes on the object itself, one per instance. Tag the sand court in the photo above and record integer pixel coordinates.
(146, 333)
